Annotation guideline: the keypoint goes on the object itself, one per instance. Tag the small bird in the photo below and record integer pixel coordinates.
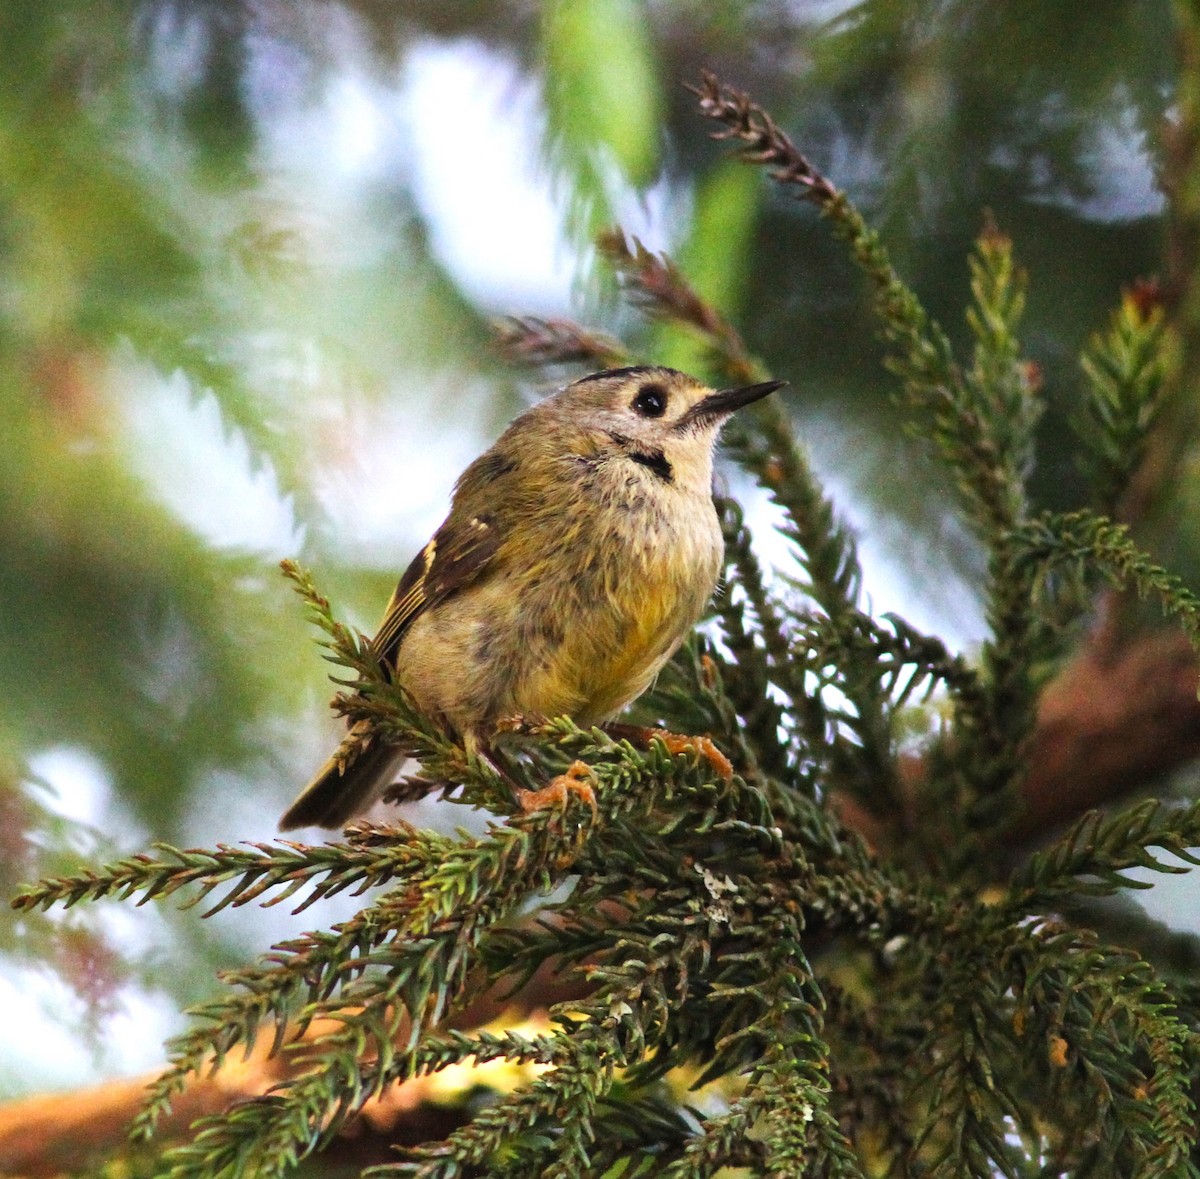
(578, 553)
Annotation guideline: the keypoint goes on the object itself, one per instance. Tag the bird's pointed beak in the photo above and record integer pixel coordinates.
(723, 402)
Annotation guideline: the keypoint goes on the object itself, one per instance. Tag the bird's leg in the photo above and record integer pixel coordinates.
(641, 735)
(573, 781)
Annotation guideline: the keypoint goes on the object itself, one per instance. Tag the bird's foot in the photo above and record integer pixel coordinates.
(701, 747)
(574, 781)
(520, 722)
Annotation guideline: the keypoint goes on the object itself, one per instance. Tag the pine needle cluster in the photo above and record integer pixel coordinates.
(922, 1002)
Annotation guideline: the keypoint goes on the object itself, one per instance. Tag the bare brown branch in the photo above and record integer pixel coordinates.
(1113, 720)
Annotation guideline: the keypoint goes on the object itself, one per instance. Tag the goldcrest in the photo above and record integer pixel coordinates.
(579, 551)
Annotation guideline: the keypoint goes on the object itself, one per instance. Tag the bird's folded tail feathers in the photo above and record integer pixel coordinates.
(346, 784)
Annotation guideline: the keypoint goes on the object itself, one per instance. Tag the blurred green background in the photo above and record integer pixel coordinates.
(248, 256)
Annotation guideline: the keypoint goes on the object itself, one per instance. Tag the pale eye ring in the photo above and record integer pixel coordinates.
(651, 401)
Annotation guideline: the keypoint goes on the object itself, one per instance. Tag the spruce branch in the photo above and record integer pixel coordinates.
(417, 976)
(919, 353)
(857, 657)
(1091, 858)
(296, 982)
(1126, 367)
(1100, 1016)
(871, 1047)
(724, 1142)
(289, 866)
(943, 1016)
(980, 421)
(1001, 385)
(705, 691)
(905, 660)
(551, 1123)
(642, 1134)
(770, 622)
(1002, 392)
(414, 976)
(791, 1083)
(373, 698)
(347, 648)
(1104, 1016)
(1069, 538)
(759, 648)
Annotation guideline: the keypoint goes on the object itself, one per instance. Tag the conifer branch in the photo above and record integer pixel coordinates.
(1103, 1014)
(655, 284)
(417, 976)
(724, 1142)
(415, 944)
(980, 422)
(826, 552)
(1126, 368)
(290, 866)
(562, 1104)
(1090, 859)
(919, 351)
(385, 705)
(769, 620)
(760, 650)
(791, 1083)
(285, 989)
(905, 660)
(1001, 390)
(1001, 386)
(1072, 537)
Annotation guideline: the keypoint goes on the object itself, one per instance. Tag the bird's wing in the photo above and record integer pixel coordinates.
(457, 556)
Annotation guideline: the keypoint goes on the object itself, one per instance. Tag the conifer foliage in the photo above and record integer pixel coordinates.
(942, 1012)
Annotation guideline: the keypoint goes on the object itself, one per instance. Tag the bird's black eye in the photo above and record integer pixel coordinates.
(651, 401)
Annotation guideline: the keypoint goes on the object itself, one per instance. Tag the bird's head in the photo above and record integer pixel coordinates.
(660, 418)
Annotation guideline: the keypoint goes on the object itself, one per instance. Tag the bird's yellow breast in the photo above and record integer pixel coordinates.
(579, 625)
(609, 656)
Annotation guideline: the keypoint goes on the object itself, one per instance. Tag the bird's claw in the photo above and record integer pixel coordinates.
(574, 781)
(702, 747)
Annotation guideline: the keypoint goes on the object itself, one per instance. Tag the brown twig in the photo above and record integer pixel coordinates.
(765, 142)
(531, 340)
(655, 284)
(1113, 720)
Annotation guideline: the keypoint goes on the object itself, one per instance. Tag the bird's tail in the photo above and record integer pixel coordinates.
(346, 784)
